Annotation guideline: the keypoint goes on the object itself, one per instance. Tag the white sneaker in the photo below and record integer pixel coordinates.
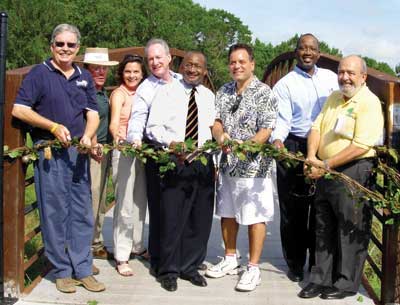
(249, 280)
(225, 266)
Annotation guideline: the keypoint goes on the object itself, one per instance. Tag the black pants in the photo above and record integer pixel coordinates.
(296, 210)
(185, 212)
(343, 228)
(153, 201)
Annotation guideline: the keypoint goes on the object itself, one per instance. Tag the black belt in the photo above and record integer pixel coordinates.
(296, 138)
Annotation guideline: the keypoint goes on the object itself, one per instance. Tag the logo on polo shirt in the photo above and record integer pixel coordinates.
(82, 83)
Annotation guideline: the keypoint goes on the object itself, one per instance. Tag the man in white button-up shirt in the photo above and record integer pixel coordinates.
(158, 60)
(187, 192)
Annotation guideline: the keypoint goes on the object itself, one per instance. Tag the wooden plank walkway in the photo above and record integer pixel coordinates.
(143, 289)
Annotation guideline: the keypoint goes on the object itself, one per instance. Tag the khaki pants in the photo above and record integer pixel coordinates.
(99, 174)
(130, 205)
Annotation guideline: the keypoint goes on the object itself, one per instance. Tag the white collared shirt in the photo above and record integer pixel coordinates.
(167, 117)
(141, 105)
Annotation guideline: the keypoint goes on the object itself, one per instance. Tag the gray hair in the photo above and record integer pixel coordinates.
(154, 41)
(364, 68)
(64, 27)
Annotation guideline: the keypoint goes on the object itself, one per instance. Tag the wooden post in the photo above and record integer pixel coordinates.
(390, 290)
(13, 198)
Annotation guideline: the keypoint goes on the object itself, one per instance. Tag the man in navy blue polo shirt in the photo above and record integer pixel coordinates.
(58, 99)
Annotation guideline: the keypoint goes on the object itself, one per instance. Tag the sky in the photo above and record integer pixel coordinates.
(368, 28)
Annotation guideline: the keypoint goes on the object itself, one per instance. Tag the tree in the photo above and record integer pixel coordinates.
(398, 69)
(122, 23)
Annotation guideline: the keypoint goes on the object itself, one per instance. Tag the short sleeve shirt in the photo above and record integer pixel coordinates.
(256, 108)
(49, 93)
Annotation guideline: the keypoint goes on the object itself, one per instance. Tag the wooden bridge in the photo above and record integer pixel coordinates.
(25, 269)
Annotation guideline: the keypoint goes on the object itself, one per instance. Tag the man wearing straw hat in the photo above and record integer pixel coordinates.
(96, 60)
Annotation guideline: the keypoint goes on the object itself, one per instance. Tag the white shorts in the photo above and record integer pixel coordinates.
(248, 200)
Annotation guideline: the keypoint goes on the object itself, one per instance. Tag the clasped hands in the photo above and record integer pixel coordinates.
(221, 141)
(314, 168)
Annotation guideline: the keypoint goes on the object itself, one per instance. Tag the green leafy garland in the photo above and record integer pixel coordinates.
(387, 178)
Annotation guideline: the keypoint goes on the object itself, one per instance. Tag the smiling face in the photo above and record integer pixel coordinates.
(132, 75)
(99, 75)
(307, 53)
(241, 67)
(63, 55)
(194, 68)
(351, 76)
(158, 61)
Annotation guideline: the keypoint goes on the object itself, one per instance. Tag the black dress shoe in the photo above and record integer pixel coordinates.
(335, 293)
(169, 283)
(202, 267)
(311, 291)
(295, 276)
(196, 279)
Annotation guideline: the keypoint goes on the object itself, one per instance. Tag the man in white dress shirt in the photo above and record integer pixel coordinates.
(158, 60)
(186, 192)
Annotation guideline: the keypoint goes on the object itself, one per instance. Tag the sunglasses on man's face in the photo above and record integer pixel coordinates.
(60, 44)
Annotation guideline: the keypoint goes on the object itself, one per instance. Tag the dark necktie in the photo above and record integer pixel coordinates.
(192, 119)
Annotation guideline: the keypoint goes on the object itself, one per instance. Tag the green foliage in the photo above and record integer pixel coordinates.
(124, 23)
(380, 66)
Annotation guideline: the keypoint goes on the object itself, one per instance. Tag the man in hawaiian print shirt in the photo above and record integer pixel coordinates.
(246, 110)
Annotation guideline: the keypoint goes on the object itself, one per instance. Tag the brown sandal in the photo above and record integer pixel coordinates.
(123, 268)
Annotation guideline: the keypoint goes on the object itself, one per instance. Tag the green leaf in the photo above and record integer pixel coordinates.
(380, 180)
(106, 150)
(360, 299)
(15, 154)
(393, 154)
(92, 302)
(241, 156)
(328, 176)
(390, 221)
(203, 160)
(33, 156)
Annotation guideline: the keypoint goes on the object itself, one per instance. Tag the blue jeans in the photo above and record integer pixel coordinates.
(62, 187)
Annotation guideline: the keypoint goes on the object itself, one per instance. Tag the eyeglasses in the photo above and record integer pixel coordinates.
(235, 106)
(60, 44)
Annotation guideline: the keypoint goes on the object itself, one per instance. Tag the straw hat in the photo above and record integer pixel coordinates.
(98, 56)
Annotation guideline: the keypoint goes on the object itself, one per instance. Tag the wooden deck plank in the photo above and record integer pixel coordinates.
(143, 289)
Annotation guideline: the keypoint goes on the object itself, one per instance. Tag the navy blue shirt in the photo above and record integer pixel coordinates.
(49, 93)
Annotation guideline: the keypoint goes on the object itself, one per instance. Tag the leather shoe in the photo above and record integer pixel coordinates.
(295, 276)
(311, 291)
(100, 253)
(332, 293)
(169, 283)
(196, 279)
(202, 267)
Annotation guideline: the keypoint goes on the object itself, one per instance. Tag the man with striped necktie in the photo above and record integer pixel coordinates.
(180, 110)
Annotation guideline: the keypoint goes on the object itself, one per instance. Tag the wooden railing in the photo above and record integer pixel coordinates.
(386, 238)
(16, 263)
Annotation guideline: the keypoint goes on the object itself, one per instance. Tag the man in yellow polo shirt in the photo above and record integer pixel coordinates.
(342, 138)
